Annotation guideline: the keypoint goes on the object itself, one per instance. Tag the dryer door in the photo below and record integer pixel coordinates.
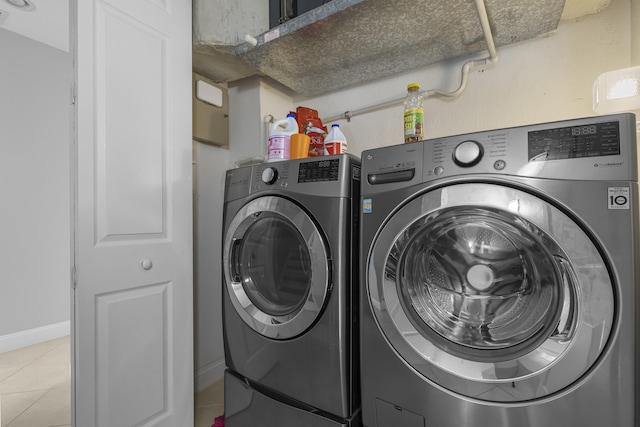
(491, 292)
(276, 267)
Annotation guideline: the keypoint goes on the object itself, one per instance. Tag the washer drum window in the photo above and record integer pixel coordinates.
(490, 292)
(481, 280)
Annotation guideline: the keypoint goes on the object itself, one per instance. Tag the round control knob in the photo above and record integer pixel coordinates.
(467, 153)
(269, 175)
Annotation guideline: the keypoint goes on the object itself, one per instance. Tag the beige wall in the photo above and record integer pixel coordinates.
(545, 79)
(540, 80)
(635, 32)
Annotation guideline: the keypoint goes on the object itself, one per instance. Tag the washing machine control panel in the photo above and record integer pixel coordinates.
(467, 153)
(592, 148)
(477, 151)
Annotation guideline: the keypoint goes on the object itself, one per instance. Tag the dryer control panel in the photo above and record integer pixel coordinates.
(319, 170)
(330, 176)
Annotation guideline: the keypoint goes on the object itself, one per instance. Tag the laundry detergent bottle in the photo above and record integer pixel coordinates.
(280, 138)
(335, 142)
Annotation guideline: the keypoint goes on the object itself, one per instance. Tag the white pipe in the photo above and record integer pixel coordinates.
(466, 68)
(266, 128)
(347, 115)
(436, 93)
(486, 29)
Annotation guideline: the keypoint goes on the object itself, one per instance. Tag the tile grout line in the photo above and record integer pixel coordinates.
(19, 369)
(45, 391)
(27, 408)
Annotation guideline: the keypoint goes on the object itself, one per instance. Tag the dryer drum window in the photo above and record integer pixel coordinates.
(483, 279)
(276, 267)
(274, 263)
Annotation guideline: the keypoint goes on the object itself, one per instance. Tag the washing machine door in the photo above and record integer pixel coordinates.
(276, 267)
(490, 292)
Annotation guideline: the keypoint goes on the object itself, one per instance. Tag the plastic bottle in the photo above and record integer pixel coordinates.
(413, 114)
(335, 142)
(280, 138)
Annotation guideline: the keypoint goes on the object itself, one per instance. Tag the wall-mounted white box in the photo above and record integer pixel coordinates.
(210, 111)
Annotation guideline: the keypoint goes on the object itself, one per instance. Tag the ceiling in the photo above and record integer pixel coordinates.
(359, 45)
(47, 23)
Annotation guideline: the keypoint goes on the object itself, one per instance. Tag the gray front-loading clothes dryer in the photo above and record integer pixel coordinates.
(290, 293)
(500, 278)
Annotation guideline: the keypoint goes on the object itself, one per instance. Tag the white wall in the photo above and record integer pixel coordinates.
(210, 162)
(35, 82)
(250, 101)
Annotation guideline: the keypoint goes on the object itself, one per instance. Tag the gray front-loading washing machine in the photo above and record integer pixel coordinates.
(290, 293)
(500, 278)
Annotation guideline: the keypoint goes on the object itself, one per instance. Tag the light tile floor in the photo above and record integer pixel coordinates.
(35, 388)
(209, 404)
(35, 385)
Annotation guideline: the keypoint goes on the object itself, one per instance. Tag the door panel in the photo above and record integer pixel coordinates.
(140, 374)
(133, 314)
(131, 177)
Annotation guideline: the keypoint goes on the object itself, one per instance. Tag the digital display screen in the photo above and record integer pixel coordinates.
(321, 170)
(573, 142)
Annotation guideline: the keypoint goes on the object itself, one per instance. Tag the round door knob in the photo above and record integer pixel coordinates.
(146, 264)
(467, 153)
(269, 175)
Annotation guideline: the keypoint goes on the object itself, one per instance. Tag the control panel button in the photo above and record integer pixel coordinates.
(269, 175)
(467, 153)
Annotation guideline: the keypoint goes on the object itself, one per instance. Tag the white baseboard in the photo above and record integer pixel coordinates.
(34, 336)
(209, 374)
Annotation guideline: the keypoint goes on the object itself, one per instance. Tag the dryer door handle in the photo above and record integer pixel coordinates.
(233, 267)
